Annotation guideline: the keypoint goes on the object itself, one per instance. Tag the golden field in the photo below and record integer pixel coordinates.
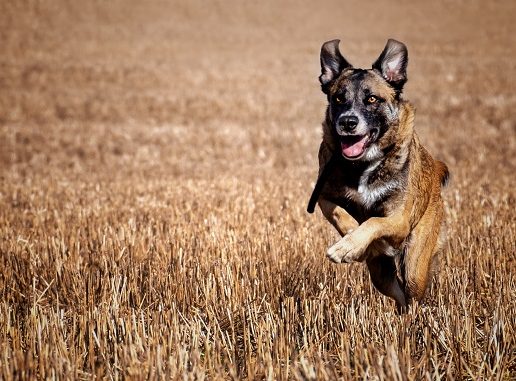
(156, 159)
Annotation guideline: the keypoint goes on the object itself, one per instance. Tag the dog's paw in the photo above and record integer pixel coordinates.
(347, 250)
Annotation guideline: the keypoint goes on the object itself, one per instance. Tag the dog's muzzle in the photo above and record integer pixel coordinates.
(347, 124)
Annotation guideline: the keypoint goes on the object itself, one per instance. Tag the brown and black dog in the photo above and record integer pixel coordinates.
(378, 186)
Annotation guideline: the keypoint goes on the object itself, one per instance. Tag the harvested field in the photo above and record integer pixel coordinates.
(156, 159)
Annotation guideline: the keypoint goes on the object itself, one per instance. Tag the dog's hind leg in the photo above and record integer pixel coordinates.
(424, 244)
(383, 272)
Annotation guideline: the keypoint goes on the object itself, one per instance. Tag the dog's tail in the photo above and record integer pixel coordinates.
(444, 173)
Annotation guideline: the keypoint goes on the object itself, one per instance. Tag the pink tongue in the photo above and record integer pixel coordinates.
(353, 146)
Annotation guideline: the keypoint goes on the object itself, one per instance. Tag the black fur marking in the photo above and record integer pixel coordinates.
(329, 167)
(358, 74)
(353, 170)
(446, 177)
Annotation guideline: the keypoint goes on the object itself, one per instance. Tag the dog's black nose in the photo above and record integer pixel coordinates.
(347, 123)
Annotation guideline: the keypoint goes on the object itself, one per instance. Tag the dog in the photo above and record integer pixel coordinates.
(377, 185)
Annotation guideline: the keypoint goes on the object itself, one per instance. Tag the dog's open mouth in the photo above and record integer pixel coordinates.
(354, 146)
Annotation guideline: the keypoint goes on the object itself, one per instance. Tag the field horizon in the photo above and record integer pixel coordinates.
(156, 160)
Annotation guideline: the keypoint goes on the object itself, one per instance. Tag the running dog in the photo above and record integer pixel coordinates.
(378, 186)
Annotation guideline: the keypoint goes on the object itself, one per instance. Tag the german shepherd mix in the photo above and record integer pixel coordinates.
(378, 186)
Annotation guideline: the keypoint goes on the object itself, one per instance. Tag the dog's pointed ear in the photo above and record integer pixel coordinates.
(332, 64)
(392, 64)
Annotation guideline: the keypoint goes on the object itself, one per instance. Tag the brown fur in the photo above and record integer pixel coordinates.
(399, 237)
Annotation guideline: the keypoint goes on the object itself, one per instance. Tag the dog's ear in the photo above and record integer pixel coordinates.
(392, 64)
(332, 64)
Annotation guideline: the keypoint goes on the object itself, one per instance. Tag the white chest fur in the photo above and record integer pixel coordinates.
(369, 194)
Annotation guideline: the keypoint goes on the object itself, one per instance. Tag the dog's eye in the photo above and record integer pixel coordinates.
(339, 99)
(372, 99)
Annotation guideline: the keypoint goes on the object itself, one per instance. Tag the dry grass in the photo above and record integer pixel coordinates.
(155, 164)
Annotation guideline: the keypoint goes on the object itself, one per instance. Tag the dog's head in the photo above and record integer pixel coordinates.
(363, 104)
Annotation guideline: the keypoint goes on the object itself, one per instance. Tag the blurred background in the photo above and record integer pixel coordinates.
(195, 88)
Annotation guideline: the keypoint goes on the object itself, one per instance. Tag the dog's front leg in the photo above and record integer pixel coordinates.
(352, 247)
(338, 217)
